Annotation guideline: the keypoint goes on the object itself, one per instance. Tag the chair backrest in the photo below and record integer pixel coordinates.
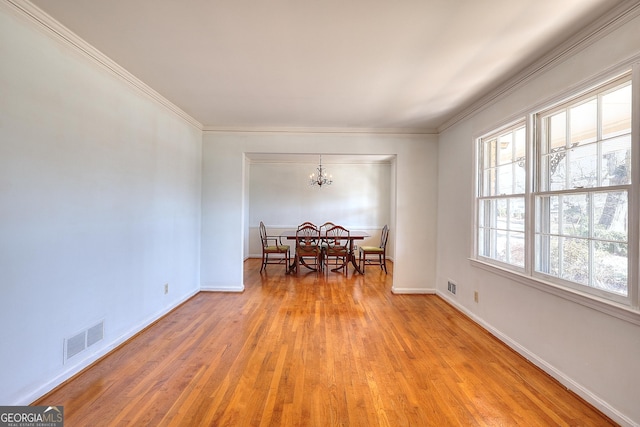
(384, 237)
(337, 236)
(263, 234)
(324, 227)
(307, 235)
(305, 224)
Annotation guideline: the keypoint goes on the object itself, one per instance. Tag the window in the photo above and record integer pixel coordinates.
(578, 200)
(501, 205)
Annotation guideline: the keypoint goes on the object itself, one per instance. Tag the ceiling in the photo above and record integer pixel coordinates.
(375, 65)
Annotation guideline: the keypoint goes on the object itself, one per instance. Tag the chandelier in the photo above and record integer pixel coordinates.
(321, 178)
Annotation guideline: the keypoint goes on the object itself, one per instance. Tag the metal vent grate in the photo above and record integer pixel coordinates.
(81, 341)
(75, 345)
(451, 287)
(95, 334)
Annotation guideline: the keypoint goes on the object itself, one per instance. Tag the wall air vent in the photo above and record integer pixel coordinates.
(81, 341)
(451, 287)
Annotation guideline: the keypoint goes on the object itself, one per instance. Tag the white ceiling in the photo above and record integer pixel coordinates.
(332, 64)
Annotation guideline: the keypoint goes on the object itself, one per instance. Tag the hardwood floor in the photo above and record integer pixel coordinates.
(317, 351)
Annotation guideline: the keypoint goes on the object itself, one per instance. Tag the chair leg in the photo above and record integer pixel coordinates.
(264, 262)
(286, 262)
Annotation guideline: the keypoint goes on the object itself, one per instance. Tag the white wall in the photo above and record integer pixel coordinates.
(593, 353)
(358, 199)
(99, 207)
(224, 217)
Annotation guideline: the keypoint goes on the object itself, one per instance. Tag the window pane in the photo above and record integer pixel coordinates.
(610, 216)
(489, 186)
(574, 260)
(542, 216)
(575, 215)
(611, 267)
(554, 256)
(555, 167)
(482, 213)
(506, 149)
(489, 153)
(554, 214)
(616, 112)
(482, 242)
(584, 122)
(516, 248)
(501, 214)
(520, 136)
(616, 161)
(516, 214)
(583, 166)
(520, 180)
(557, 130)
(499, 240)
(505, 179)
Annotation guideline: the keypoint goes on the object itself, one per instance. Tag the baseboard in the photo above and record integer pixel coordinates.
(413, 291)
(558, 375)
(221, 288)
(81, 365)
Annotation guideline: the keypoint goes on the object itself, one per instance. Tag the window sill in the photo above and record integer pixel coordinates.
(611, 308)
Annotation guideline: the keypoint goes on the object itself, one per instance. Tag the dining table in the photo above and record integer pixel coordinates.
(353, 236)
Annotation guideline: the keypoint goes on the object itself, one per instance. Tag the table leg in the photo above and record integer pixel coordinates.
(356, 267)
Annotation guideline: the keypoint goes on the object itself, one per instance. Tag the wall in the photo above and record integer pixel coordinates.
(281, 197)
(99, 207)
(593, 353)
(225, 214)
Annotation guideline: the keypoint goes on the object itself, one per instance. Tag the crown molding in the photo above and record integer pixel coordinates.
(315, 130)
(607, 23)
(56, 30)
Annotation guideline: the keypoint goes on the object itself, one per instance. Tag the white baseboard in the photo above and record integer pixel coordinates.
(32, 395)
(566, 381)
(413, 291)
(221, 288)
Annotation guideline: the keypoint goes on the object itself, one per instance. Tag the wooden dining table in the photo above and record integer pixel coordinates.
(353, 235)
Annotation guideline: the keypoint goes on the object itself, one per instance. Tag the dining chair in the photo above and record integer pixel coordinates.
(272, 245)
(379, 252)
(336, 248)
(308, 247)
(323, 244)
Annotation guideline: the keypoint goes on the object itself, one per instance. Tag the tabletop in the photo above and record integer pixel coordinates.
(354, 235)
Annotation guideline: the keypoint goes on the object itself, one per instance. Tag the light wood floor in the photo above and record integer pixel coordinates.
(317, 351)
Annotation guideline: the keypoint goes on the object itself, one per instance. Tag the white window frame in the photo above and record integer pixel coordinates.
(481, 195)
(622, 307)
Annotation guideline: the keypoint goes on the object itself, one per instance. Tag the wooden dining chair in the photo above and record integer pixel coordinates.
(308, 247)
(336, 248)
(323, 244)
(379, 252)
(272, 245)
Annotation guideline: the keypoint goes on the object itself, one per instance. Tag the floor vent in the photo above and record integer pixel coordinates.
(83, 340)
(451, 287)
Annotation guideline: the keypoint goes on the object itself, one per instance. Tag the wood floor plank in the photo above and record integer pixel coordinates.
(316, 350)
